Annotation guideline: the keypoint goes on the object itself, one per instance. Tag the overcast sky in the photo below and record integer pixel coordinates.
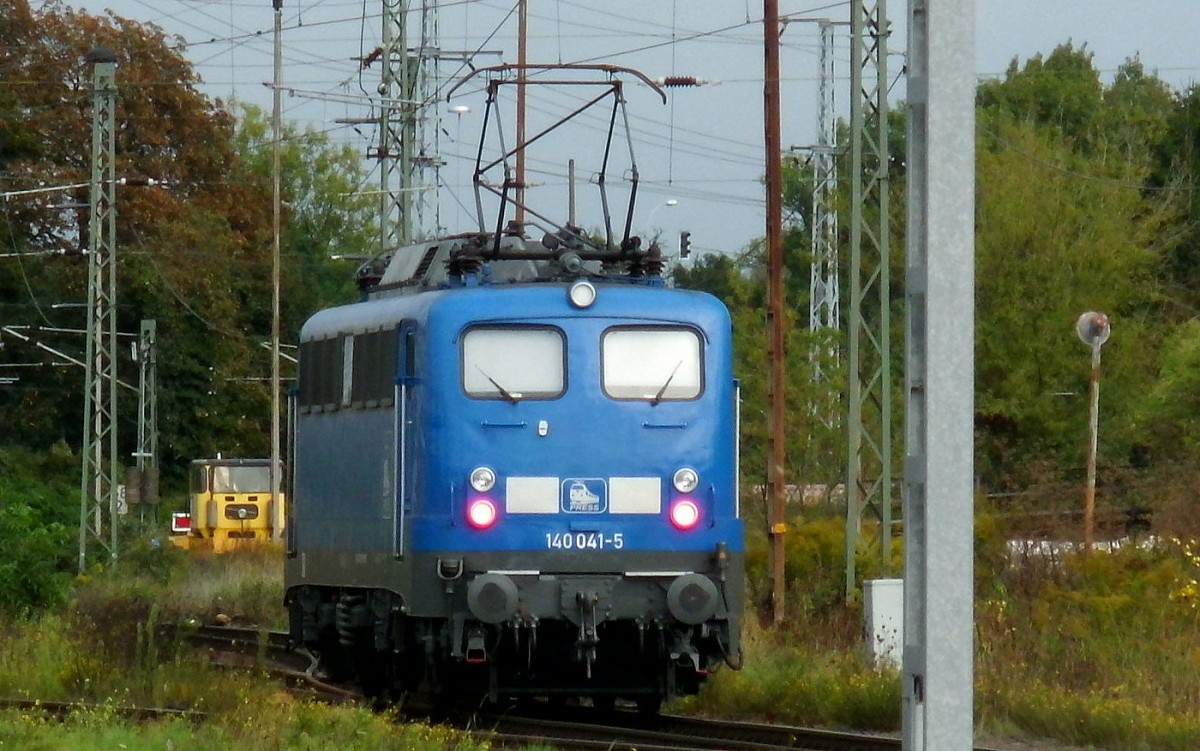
(702, 151)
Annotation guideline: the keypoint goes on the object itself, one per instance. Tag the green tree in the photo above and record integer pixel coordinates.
(36, 527)
(1175, 176)
(1058, 233)
(327, 214)
(186, 248)
(1062, 91)
(1166, 418)
(1138, 109)
(1067, 222)
(715, 273)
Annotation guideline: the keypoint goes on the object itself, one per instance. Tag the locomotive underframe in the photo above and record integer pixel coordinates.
(642, 634)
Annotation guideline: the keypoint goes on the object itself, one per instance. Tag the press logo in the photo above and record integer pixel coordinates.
(584, 496)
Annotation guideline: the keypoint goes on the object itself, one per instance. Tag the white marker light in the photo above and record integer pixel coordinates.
(685, 480)
(483, 479)
(582, 294)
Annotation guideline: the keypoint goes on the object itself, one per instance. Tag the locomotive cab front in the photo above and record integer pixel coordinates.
(581, 501)
(231, 504)
(518, 491)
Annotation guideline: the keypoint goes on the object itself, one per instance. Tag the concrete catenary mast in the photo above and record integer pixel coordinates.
(937, 678)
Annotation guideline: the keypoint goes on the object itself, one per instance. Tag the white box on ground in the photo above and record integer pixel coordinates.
(883, 615)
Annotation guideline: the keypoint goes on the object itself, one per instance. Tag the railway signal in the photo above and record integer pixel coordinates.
(1093, 329)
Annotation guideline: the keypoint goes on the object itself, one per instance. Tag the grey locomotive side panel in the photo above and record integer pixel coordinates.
(348, 504)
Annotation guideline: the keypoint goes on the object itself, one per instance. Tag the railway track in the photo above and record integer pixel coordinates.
(562, 727)
(617, 731)
(569, 728)
(61, 709)
(248, 648)
(584, 730)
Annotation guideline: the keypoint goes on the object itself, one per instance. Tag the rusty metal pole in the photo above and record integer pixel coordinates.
(1089, 499)
(775, 312)
(1093, 329)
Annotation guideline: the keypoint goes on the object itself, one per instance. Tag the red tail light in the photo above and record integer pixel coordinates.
(181, 522)
(685, 514)
(481, 513)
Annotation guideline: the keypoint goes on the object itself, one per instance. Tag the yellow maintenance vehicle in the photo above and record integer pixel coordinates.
(230, 505)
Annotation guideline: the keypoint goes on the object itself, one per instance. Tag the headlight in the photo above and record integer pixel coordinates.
(481, 513)
(685, 480)
(582, 294)
(685, 514)
(483, 479)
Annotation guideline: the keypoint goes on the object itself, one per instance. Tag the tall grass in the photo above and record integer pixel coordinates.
(107, 644)
(257, 725)
(106, 649)
(244, 586)
(1100, 649)
(789, 681)
(1095, 649)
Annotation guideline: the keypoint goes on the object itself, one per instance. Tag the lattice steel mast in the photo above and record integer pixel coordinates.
(146, 455)
(98, 486)
(408, 127)
(824, 306)
(869, 419)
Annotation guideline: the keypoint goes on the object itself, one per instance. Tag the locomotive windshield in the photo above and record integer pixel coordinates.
(230, 479)
(657, 364)
(241, 479)
(513, 363)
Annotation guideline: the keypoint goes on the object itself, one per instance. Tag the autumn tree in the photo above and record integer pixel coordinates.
(193, 251)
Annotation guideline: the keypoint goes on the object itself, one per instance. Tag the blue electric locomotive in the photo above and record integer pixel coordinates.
(522, 484)
(514, 470)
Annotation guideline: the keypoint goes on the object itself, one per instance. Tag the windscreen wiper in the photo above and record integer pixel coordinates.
(658, 397)
(510, 396)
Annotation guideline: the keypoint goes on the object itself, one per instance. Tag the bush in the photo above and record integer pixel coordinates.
(815, 562)
(788, 680)
(32, 575)
(39, 514)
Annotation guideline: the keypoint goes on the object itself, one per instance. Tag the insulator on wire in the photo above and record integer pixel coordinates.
(679, 82)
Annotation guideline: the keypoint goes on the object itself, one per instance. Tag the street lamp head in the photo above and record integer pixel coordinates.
(669, 203)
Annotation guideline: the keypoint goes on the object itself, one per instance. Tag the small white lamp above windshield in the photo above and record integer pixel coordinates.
(582, 294)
